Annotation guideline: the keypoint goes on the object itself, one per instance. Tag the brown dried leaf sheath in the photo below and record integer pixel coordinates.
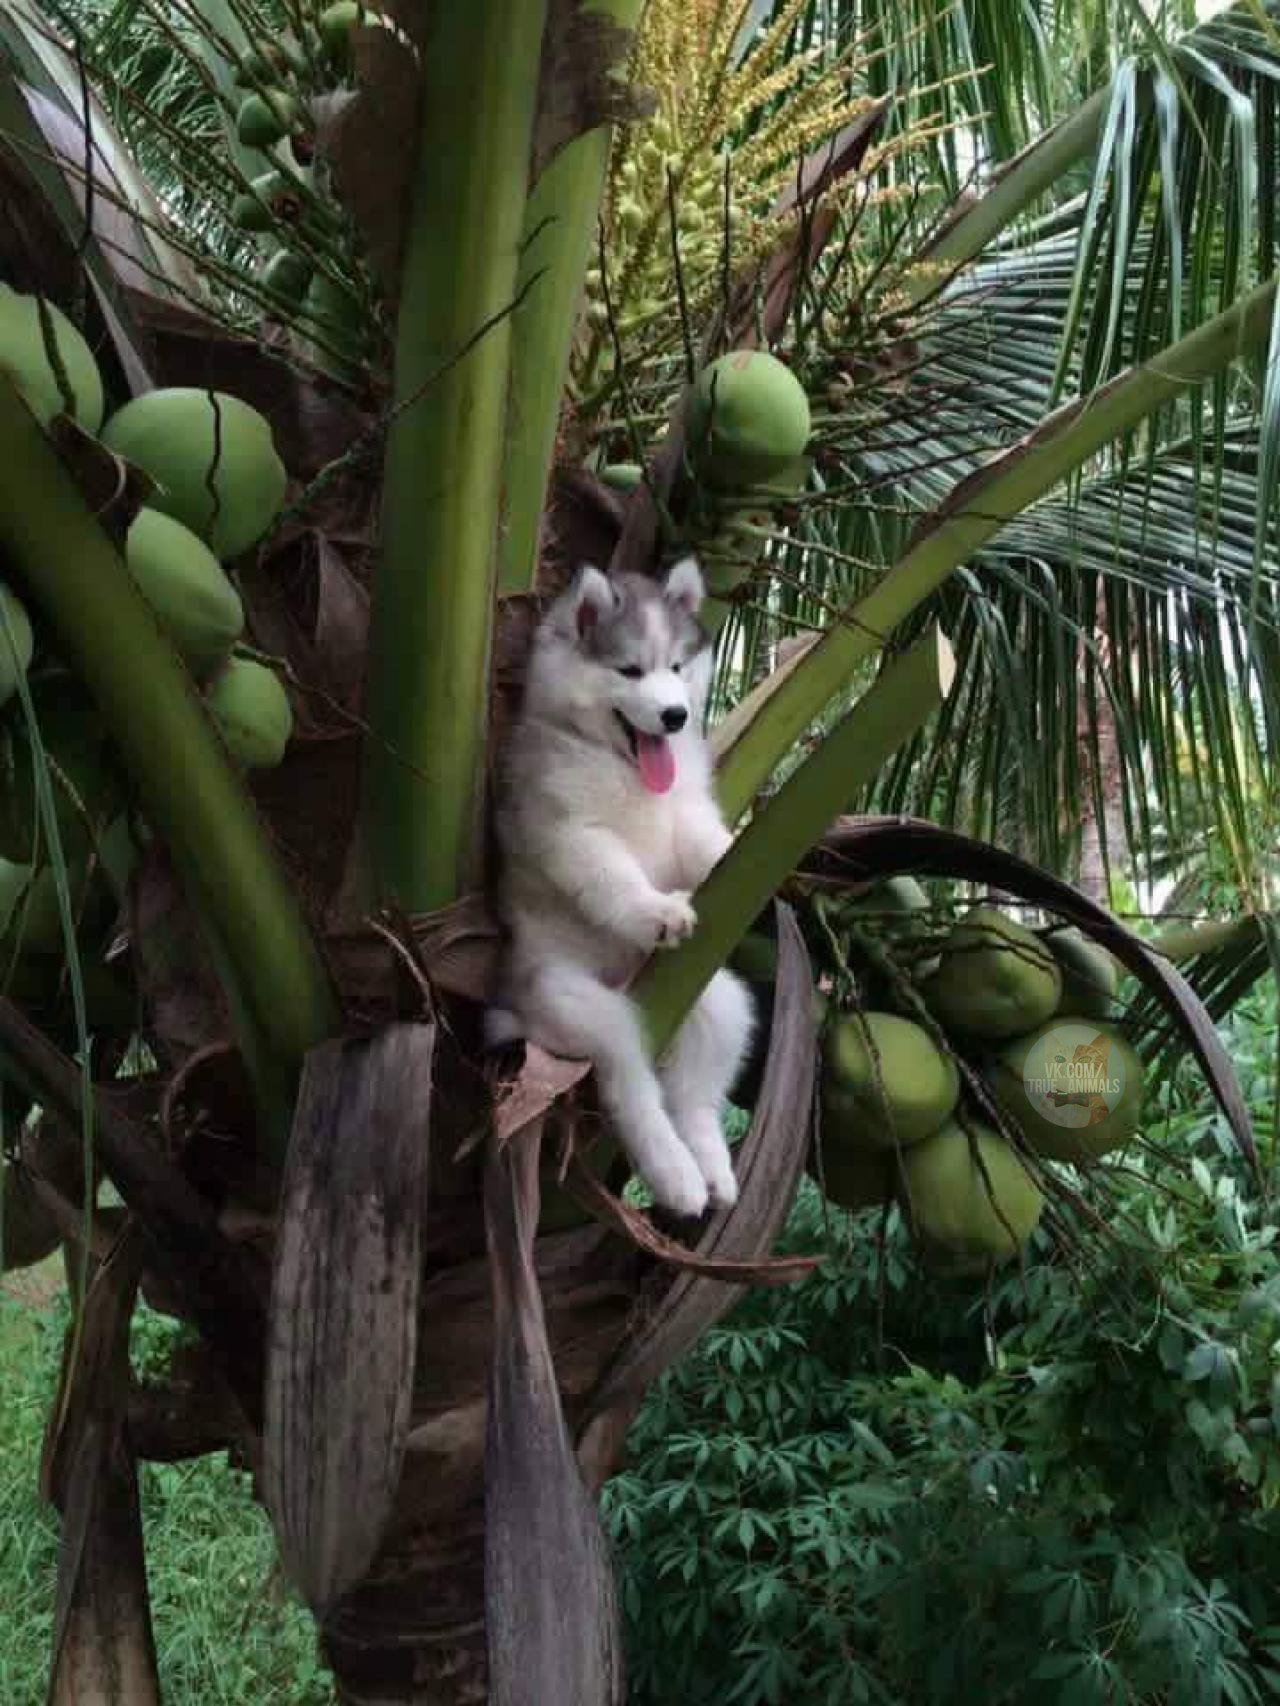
(578, 82)
(342, 1333)
(103, 1649)
(550, 1609)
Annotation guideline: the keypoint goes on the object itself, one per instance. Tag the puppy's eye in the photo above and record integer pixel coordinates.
(632, 671)
(675, 668)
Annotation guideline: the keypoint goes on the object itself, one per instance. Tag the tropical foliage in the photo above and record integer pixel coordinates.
(881, 1487)
(1016, 267)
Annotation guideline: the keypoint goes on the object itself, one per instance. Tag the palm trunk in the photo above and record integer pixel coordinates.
(414, 1632)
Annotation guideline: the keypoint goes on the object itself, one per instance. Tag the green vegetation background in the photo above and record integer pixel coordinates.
(877, 1487)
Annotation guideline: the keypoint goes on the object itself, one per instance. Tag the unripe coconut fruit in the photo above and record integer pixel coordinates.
(996, 980)
(252, 712)
(258, 212)
(188, 439)
(17, 643)
(854, 1178)
(184, 584)
(265, 119)
(23, 357)
(885, 1082)
(254, 67)
(893, 894)
(749, 418)
(1090, 975)
(1074, 1087)
(336, 24)
(286, 276)
(953, 1204)
(622, 476)
(338, 312)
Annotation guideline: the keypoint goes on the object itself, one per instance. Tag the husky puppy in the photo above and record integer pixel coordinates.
(607, 823)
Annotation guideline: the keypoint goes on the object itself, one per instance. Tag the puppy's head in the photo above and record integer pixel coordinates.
(625, 662)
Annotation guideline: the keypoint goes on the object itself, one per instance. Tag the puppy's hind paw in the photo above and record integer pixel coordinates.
(679, 1186)
(722, 1186)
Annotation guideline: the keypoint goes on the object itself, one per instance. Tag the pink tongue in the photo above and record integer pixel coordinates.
(657, 762)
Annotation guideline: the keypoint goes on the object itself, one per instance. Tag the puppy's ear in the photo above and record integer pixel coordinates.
(590, 596)
(683, 588)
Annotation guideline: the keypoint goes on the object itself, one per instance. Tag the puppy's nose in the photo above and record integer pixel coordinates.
(674, 717)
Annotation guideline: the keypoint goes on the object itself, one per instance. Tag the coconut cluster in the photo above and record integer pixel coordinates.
(216, 485)
(994, 1051)
(746, 425)
(287, 208)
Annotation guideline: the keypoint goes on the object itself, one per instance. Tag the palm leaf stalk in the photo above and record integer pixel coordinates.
(976, 510)
(441, 504)
(907, 692)
(1017, 187)
(559, 236)
(108, 635)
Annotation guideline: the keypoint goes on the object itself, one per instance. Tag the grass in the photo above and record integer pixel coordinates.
(227, 1631)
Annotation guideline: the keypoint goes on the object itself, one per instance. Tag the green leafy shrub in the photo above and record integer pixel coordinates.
(885, 1487)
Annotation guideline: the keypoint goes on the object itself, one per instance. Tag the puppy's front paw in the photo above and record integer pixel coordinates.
(675, 919)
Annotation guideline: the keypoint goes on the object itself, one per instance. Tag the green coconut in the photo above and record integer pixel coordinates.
(249, 214)
(252, 711)
(996, 978)
(184, 584)
(1074, 1087)
(854, 1178)
(892, 894)
(1090, 975)
(885, 1082)
(186, 440)
(24, 358)
(336, 24)
(338, 314)
(286, 276)
(255, 67)
(622, 476)
(17, 643)
(985, 1207)
(263, 119)
(749, 419)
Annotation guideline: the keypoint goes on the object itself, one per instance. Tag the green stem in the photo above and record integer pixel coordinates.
(906, 694)
(557, 242)
(441, 507)
(1185, 941)
(977, 508)
(1023, 181)
(106, 633)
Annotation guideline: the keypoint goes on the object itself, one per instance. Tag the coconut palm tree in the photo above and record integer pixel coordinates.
(475, 265)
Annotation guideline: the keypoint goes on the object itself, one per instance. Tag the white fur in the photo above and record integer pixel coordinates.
(598, 872)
